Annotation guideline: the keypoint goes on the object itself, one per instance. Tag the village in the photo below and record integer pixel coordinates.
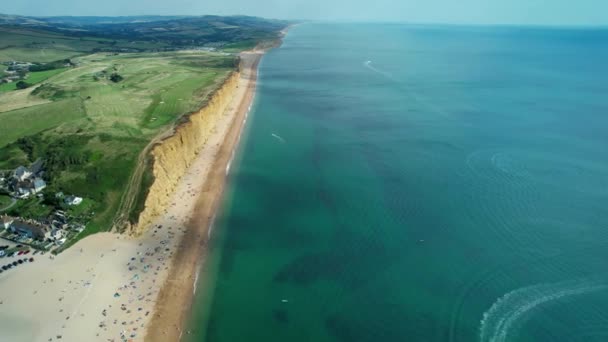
(15, 71)
(44, 233)
(19, 72)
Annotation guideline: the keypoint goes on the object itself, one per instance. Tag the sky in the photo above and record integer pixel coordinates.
(523, 12)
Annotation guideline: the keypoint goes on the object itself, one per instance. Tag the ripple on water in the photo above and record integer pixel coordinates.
(501, 190)
(517, 167)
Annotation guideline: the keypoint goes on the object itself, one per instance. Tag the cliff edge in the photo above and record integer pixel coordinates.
(173, 155)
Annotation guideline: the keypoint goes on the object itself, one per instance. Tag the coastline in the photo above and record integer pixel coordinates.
(112, 286)
(174, 301)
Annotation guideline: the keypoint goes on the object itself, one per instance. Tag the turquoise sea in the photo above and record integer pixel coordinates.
(417, 183)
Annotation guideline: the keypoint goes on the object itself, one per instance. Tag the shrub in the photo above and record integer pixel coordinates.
(22, 85)
(116, 78)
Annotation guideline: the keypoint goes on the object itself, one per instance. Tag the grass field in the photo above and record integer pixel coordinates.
(29, 45)
(32, 208)
(91, 130)
(32, 79)
(35, 119)
(4, 201)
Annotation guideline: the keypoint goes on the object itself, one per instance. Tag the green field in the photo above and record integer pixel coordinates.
(33, 78)
(4, 201)
(30, 45)
(35, 119)
(91, 130)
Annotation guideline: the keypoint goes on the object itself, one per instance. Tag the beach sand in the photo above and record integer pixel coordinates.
(175, 299)
(111, 287)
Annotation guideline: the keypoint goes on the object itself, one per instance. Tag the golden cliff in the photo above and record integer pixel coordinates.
(173, 155)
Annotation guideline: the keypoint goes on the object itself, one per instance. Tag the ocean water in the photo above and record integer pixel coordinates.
(417, 183)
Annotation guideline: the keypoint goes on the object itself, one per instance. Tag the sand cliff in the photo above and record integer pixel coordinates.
(173, 155)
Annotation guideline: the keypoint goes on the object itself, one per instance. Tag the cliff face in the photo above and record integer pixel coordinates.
(172, 157)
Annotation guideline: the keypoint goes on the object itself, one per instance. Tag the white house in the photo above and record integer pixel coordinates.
(73, 200)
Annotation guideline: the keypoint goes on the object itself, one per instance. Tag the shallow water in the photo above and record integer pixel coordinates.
(417, 183)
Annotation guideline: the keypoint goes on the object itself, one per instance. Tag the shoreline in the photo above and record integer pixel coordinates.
(114, 287)
(174, 301)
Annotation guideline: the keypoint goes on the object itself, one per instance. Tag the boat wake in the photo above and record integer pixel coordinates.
(368, 64)
(503, 317)
(276, 136)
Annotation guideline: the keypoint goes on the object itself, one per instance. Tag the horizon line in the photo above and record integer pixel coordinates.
(339, 21)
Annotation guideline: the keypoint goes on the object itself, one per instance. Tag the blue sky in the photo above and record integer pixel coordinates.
(528, 12)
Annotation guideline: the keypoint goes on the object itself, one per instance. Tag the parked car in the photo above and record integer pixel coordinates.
(31, 259)
(20, 261)
(26, 252)
(15, 263)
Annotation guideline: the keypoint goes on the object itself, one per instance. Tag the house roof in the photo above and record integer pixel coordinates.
(21, 170)
(6, 219)
(37, 166)
(18, 224)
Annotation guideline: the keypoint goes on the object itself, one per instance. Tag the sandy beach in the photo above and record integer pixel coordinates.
(111, 287)
(175, 298)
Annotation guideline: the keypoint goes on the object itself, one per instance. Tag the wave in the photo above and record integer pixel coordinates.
(194, 285)
(211, 225)
(502, 317)
(278, 138)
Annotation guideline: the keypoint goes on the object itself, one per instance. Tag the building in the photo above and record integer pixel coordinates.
(73, 200)
(5, 222)
(22, 173)
(36, 166)
(22, 190)
(39, 185)
(56, 234)
(27, 187)
(30, 229)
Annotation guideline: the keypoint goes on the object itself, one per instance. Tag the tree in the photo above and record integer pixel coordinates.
(116, 78)
(22, 85)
